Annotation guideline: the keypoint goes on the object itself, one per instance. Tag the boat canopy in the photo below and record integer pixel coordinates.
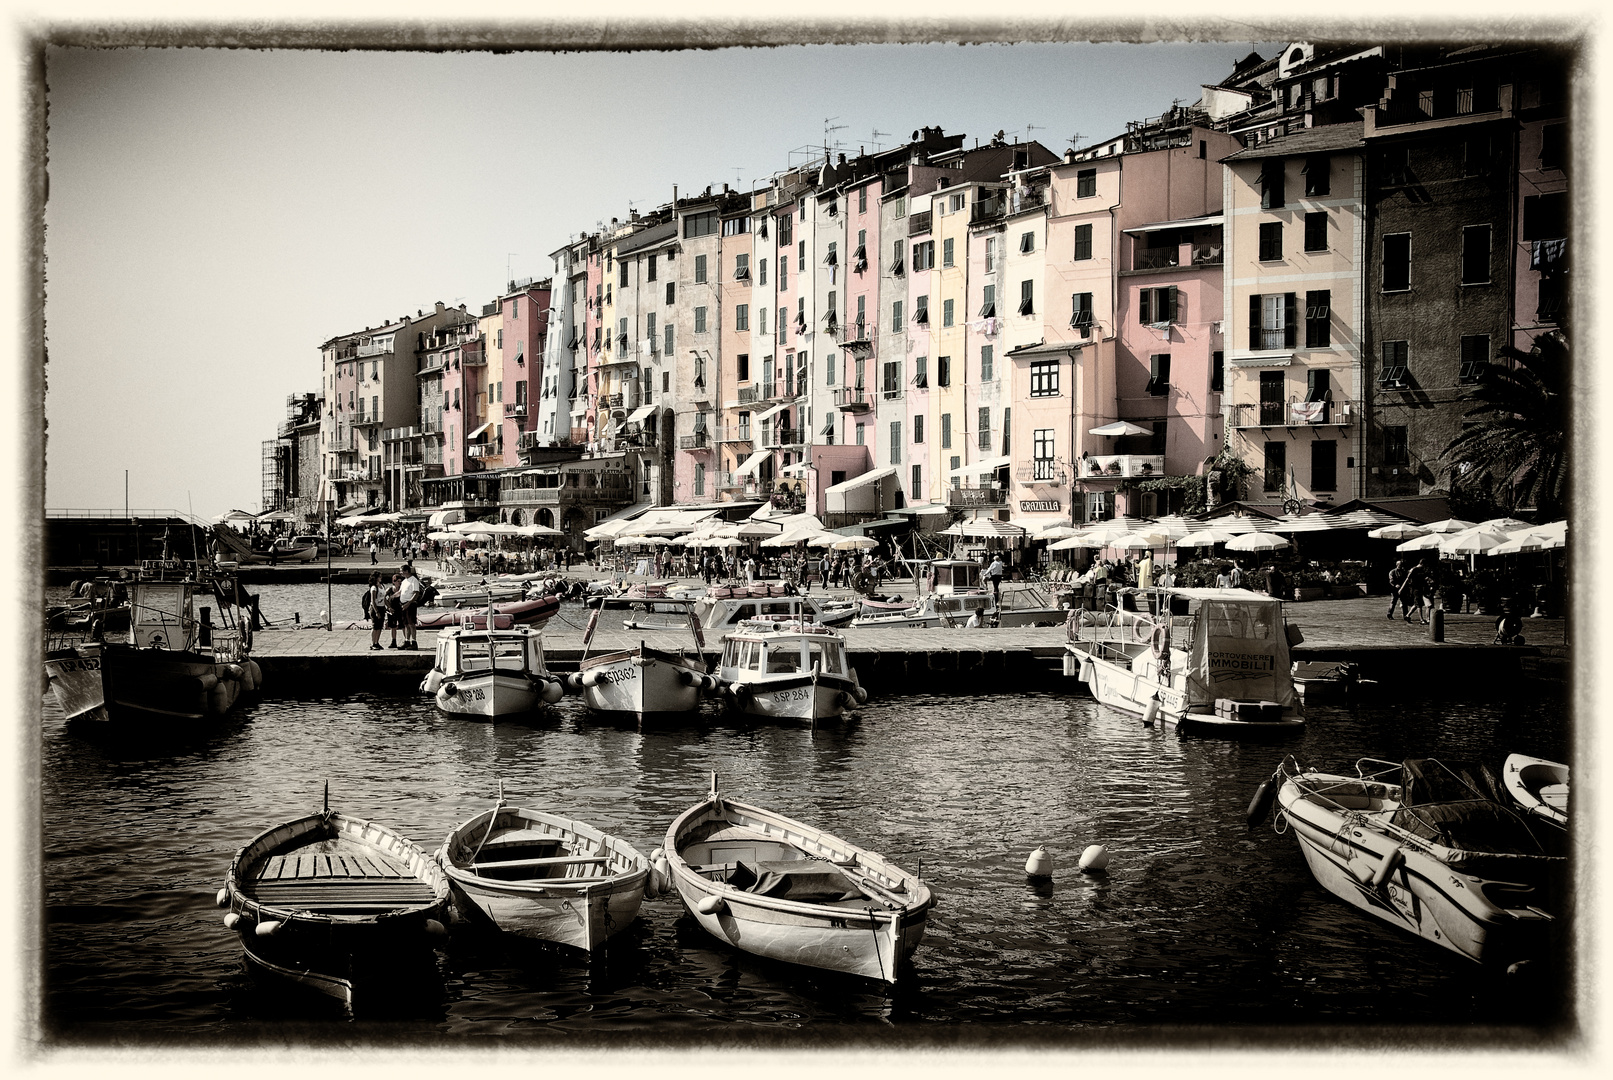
(1239, 648)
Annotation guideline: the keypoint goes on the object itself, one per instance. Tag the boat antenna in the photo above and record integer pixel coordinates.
(327, 796)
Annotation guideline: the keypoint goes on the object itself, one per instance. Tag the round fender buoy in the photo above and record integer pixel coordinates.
(232, 671)
(1161, 639)
(435, 928)
(574, 682)
(688, 678)
(269, 927)
(450, 689)
(1142, 630)
(552, 691)
(1040, 864)
(590, 678)
(742, 691)
(256, 672)
(844, 698)
(76, 589)
(860, 694)
(430, 683)
(223, 897)
(1260, 805)
(231, 920)
(207, 679)
(712, 905)
(1152, 712)
(220, 698)
(1094, 858)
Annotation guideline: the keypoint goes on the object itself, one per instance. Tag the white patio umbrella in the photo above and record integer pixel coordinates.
(1174, 526)
(468, 527)
(1139, 541)
(721, 542)
(1205, 538)
(1057, 532)
(535, 529)
(1256, 541)
(1472, 542)
(501, 528)
(1430, 542)
(1238, 525)
(1071, 543)
(476, 537)
(854, 543)
(1450, 526)
(1119, 427)
(1506, 524)
(1103, 537)
(1519, 543)
(1400, 530)
(824, 539)
(444, 536)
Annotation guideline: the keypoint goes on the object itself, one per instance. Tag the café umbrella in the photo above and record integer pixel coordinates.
(853, 543)
(1400, 530)
(1256, 541)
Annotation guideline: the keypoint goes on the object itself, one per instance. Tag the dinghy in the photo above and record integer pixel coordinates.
(1538, 785)
(543, 876)
(782, 889)
(340, 905)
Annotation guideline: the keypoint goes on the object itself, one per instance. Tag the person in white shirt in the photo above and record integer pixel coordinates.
(409, 600)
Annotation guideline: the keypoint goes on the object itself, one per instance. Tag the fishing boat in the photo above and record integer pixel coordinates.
(543, 876)
(1427, 846)
(1538, 785)
(1207, 661)
(341, 905)
(487, 673)
(535, 612)
(788, 668)
(779, 888)
(641, 680)
(726, 606)
(957, 595)
(178, 665)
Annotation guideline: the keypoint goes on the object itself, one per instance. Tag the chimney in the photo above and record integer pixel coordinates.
(843, 164)
(441, 306)
(674, 196)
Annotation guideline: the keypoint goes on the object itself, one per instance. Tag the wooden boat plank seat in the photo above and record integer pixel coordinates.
(305, 866)
(558, 860)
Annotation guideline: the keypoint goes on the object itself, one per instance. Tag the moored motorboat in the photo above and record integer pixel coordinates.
(486, 674)
(788, 668)
(641, 680)
(1426, 846)
(1211, 661)
(779, 888)
(534, 612)
(726, 606)
(1538, 785)
(341, 905)
(1324, 680)
(542, 876)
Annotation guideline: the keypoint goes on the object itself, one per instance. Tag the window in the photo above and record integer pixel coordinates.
(801, 253)
(1271, 185)
(1271, 398)
(621, 336)
(946, 313)
(921, 376)
(924, 255)
(1027, 242)
(741, 267)
(784, 274)
(1273, 321)
(1318, 321)
(1156, 306)
(1044, 378)
(1324, 465)
(1551, 146)
(1042, 454)
(700, 224)
(1159, 374)
(671, 291)
(649, 328)
(918, 428)
(736, 226)
(859, 434)
(1083, 242)
(862, 315)
(1545, 217)
(1316, 231)
(1276, 466)
(897, 247)
(699, 269)
(499, 345)
(649, 269)
(1271, 241)
(988, 303)
(1318, 385)
(1081, 313)
(761, 321)
(832, 257)
(1316, 176)
(955, 202)
(1218, 370)
(896, 317)
(667, 332)
(742, 367)
(896, 442)
(700, 320)
(783, 322)
(985, 363)
(1397, 262)
(1392, 372)
(862, 200)
(943, 369)
(1396, 454)
(786, 233)
(1027, 305)
(983, 425)
(1476, 255)
(515, 308)
(744, 426)
(1476, 155)
(622, 274)
(742, 317)
(828, 370)
(946, 252)
(921, 309)
(1086, 183)
(918, 481)
(699, 478)
(891, 378)
(946, 431)
(991, 254)
(1549, 301)
(800, 314)
(1008, 431)
(761, 271)
(1475, 354)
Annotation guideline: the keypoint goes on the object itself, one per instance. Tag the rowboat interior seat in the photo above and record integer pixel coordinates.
(335, 884)
(799, 879)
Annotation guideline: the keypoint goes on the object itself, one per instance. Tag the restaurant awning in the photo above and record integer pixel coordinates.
(477, 434)
(751, 463)
(1119, 427)
(446, 517)
(870, 477)
(638, 415)
(800, 468)
(780, 407)
(988, 465)
(1183, 223)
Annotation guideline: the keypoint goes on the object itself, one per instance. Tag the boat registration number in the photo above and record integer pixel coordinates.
(616, 675)
(78, 665)
(798, 694)
(474, 695)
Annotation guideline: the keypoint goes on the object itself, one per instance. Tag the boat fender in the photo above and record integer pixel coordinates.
(1361, 870)
(1260, 805)
(590, 678)
(256, 672)
(553, 691)
(431, 682)
(269, 927)
(657, 855)
(712, 905)
(1040, 864)
(450, 689)
(741, 691)
(232, 672)
(1162, 639)
(845, 698)
(208, 680)
(1387, 867)
(1152, 712)
(709, 684)
(435, 928)
(860, 694)
(574, 682)
(688, 678)
(221, 697)
(1094, 859)
(76, 589)
(223, 897)
(231, 920)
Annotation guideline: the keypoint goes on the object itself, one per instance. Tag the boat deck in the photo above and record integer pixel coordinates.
(337, 883)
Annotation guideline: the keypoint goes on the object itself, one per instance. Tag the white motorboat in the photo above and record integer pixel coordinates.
(1538, 785)
(543, 876)
(1211, 661)
(642, 680)
(1429, 847)
(957, 594)
(779, 888)
(788, 668)
(487, 673)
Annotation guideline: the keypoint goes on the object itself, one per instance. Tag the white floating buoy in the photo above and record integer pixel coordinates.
(1040, 864)
(1094, 858)
(269, 926)
(435, 928)
(712, 905)
(222, 898)
(231, 919)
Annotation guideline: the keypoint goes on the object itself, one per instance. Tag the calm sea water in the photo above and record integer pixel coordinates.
(1200, 926)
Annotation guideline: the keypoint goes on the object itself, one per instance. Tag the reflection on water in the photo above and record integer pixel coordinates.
(1197, 921)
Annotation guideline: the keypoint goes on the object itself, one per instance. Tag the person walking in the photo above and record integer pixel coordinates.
(408, 601)
(1397, 583)
(375, 609)
(1145, 571)
(1413, 592)
(375, 552)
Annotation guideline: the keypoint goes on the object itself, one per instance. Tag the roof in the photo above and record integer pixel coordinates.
(645, 237)
(1419, 508)
(1308, 141)
(1056, 348)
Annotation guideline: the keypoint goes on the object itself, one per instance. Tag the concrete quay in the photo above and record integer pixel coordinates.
(893, 661)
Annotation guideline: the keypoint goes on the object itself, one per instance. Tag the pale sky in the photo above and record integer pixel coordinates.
(214, 215)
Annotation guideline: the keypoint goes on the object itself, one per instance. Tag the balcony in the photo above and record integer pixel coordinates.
(431, 427)
(366, 420)
(755, 395)
(857, 337)
(1292, 414)
(611, 401)
(785, 437)
(918, 223)
(373, 350)
(1122, 466)
(987, 211)
(482, 451)
(514, 410)
(728, 434)
(700, 440)
(962, 498)
(473, 357)
(1161, 258)
(853, 398)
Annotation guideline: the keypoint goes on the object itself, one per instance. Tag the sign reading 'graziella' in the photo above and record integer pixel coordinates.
(1040, 506)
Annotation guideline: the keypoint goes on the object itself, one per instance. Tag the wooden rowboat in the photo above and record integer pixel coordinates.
(1538, 785)
(782, 889)
(340, 905)
(544, 876)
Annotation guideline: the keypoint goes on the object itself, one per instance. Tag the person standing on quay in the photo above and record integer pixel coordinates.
(408, 600)
(393, 609)
(375, 608)
(994, 574)
(1397, 583)
(1145, 571)
(375, 552)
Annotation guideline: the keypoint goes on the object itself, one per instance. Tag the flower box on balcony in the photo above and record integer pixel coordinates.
(1113, 469)
(1146, 468)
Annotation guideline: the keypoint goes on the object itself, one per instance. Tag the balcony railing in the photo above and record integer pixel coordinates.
(962, 497)
(1156, 258)
(856, 335)
(986, 210)
(918, 223)
(853, 397)
(373, 350)
(514, 408)
(785, 437)
(611, 401)
(479, 451)
(1125, 466)
(733, 434)
(698, 441)
(754, 395)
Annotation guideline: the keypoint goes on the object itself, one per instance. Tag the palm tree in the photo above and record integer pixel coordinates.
(1513, 446)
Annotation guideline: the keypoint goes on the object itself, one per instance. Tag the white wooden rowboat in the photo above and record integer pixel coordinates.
(1538, 785)
(544, 876)
(782, 889)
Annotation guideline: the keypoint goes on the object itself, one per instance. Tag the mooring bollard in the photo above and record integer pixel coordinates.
(1436, 625)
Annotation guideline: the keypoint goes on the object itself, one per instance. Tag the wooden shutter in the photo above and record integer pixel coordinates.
(1144, 304)
(1254, 321)
(1290, 320)
(1173, 300)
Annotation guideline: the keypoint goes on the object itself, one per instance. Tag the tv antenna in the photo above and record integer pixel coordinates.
(1075, 141)
(507, 256)
(878, 135)
(1032, 127)
(828, 126)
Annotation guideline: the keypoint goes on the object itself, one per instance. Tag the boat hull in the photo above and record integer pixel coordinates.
(1539, 786)
(75, 682)
(643, 683)
(159, 685)
(798, 697)
(1122, 688)
(1421, 894)
(488, 696)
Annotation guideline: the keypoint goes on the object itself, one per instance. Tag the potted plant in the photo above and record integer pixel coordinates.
(1094, 466)
(1114, 468)
(1453, 592)
(1351, 580)
(1309, 584)
(1146, 467)
(1485, 590)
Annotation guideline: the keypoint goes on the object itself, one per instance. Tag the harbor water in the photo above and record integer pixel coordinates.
(1200, 927)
